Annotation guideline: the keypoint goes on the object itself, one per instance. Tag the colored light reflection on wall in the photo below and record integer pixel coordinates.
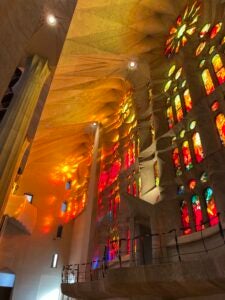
(117, 156)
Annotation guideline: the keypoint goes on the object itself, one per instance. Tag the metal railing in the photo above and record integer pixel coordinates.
(139, 255)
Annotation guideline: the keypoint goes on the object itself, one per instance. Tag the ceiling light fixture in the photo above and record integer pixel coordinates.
(132, 65)
(51, 20)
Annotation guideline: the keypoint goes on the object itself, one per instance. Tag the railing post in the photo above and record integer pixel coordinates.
(91, 271)
(202, 237)
(220, 227)
(78, 272)
(143, 250)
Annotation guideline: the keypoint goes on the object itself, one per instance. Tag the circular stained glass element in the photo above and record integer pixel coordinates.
(185, 26)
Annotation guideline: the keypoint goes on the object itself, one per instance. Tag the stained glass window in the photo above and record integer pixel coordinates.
(170, 116)
(178, 74)
(167, 86)
(196, 206)
(208, 83)
(215, 30)
(220, 124)
(192, 125)
(200, 48)
(202, 63)
(185, 217)
(187, 155)
(176, 161)
(204, 177)
(187, 100)
(215, 106)
(156, 173)
(180, 190)
(204, 30)
(172, 70)
(197, 144)
(211, 206)
(219, 68)
(178, 108)
(185, 26)
(192, 184)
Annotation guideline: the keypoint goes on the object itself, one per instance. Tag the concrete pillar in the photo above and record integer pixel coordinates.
(14, 127)
(84, 226)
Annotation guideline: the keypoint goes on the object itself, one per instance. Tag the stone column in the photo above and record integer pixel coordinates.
(14, 127)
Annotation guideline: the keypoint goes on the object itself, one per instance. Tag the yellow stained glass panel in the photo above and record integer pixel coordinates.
(208, 83)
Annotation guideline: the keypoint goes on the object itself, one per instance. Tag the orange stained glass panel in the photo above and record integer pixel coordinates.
(208, 83)
(179, 109)
(198, 149)
(187, 100)
(217, 63)
(219, 68)
(170, 117)
(176, 161)
(220, 124)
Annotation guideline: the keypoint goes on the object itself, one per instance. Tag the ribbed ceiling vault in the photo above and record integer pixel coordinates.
(92, 75)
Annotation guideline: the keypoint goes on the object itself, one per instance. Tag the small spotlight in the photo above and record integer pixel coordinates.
(132, 65)
(94, 123)
(51, 20)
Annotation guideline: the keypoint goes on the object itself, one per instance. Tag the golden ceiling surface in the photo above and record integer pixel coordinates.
(92, 76)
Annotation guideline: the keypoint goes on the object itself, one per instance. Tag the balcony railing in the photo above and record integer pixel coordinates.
(139, 255)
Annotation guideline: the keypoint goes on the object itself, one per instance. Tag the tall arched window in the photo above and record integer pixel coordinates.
(170, 117)
(211, 206)
(185, 217)
(176, 161)
(196, 206)
(218, 68)
(187, 100)
(187, 155)
(220, 124)
(197, 144)
(208, 83)
(178, 107)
